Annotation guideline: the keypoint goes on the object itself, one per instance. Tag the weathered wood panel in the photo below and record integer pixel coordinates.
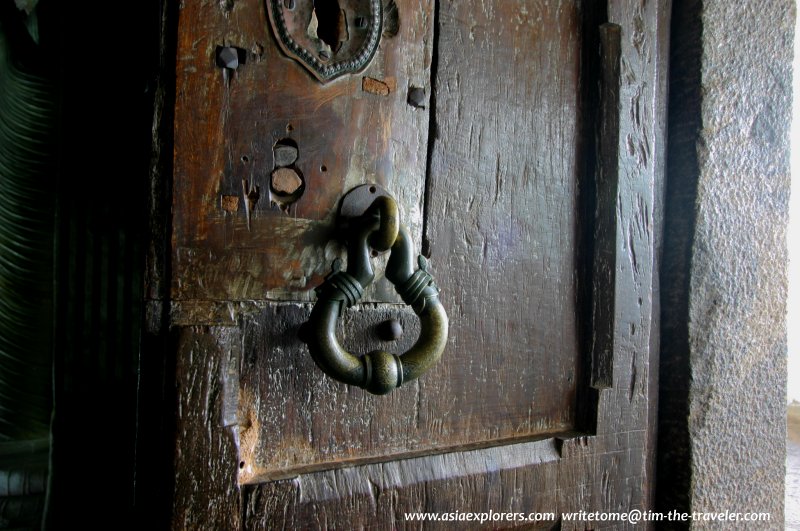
(607, 471)
(513, 362)
(228, 131)
(503, 241)
(503, 249)
(294, 418)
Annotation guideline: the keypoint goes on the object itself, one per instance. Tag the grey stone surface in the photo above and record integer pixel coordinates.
(738, 260)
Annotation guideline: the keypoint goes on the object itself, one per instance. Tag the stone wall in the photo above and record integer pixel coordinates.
(723, 370)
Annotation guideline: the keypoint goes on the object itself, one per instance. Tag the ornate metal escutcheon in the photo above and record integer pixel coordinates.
(369, 219)
(330, 38)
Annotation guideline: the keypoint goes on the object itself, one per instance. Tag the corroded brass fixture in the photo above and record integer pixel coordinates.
(371, 219)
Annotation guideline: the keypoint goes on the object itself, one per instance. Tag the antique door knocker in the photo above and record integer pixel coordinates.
(371, 220)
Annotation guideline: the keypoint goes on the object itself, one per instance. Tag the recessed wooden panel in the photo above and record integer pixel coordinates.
(227, 127)
(503, 222)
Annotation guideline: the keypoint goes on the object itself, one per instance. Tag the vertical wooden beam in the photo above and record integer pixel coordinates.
(606, 193)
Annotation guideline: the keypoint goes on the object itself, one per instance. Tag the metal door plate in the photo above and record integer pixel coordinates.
(356, 202)
(334, 38)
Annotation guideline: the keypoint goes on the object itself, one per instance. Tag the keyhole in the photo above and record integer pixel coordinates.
(330, 18)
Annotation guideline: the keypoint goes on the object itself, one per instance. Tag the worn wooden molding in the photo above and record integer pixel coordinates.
(641, 148)
(606, 194)
(548, 475)
(385, 491)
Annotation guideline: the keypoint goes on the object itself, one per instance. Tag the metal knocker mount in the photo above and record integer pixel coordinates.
(330, 38)
(370, 219)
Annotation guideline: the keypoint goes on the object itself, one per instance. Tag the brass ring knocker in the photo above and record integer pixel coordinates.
(379, 372)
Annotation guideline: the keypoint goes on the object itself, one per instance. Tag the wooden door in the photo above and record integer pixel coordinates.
(524, 143)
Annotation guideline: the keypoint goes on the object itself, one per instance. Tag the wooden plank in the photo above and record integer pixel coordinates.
(503, 242)
(627, 409)
(605, 226)
(661, 56)
(226, 132)
(378, 496)
(206, 494)
(506, 263)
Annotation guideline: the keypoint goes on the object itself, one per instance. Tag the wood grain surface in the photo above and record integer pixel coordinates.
(503, 251)
(510, 419)
(227, 131)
